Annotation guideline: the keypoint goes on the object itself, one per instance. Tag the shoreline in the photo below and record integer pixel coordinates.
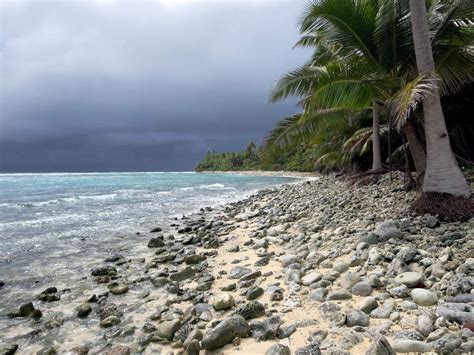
(280, 173)
(300, 262)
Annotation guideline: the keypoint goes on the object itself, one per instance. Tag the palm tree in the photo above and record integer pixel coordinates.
(442, 172)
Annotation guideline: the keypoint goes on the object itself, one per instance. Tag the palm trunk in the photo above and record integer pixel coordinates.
(416, 148)
(376, 152)
(442, 171)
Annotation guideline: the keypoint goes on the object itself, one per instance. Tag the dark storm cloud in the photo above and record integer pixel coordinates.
(138, 85)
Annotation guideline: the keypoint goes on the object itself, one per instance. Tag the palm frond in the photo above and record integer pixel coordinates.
(407, 99)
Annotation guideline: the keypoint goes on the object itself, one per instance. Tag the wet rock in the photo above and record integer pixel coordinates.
(424, 297)
(80, 350)
(250, 310)
(184, 274)
(104, 271)
(266, 329)
(47, 351)
(156, 230)
(156, 242)
(409, 279)
(278, 349)
(223, 301)
(380, 346)
(225, 332)
(26, 310)
(253, 293)
(2, 283)
(167, 329)
(83, 310)
(8, 349)
(117, 288)
(357, 318)
(110, 321)
(49, 295)
(411, 346)
(105, 310)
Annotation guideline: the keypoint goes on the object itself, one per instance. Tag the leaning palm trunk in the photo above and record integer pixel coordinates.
(416, 150)
(442, 171)
(376, 153)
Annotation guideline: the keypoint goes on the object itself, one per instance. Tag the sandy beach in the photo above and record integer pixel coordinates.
(318, 266)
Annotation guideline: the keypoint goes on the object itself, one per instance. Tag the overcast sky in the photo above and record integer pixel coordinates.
(139, 86)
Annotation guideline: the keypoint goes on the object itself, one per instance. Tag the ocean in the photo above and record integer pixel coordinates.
(55, 225)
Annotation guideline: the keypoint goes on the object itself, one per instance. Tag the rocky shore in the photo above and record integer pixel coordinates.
(318, 267)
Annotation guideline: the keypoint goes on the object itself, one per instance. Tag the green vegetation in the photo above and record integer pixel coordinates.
(389, 86)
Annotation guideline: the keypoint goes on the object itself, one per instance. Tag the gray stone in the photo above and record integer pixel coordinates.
(424, 297)
(385, 310)
(278, 349)
(411, 346)
(349, 279)
(225, 332)
(310, 278)
(167, 329)
(156, 242)
(368, 304)
(223, 301)
(388, 229)
(184, 274)
(362, 289)
(110, 321)
(319, 294)
(266, 329)
(288, 260)
(380, 346)
(193, 348)
(83, 310)
(336, 295)
(357, 318)
(250, 310)
(253, 293)
(238, 271)
(311, 349)
(410, 279)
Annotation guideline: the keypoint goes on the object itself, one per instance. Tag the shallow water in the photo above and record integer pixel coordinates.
(56, 225)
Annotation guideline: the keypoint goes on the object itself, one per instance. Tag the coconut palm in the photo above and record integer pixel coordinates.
(372, 60)
(442, 172)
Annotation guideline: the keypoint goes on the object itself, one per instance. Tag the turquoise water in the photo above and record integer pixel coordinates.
(48, 222)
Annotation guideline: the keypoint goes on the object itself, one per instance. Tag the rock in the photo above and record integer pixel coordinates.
(253, 293)
(385, 310)
(285, 332)
(184, 274)
(195, 334)
(156, 243)
(193, 348)
(386, 230)
(225, 332)
(409, 279)
(430, 221)
(294, 276)
(424, 297)
(361, 289)
(424, 324)
(457, 312)
(8, 349)
(49, 295)
(79, 350)
(406, 254)
(336, 295)
(341, 266)
(167, 329)
(310, 278)
(110, 321)
(368, 304)
(119, 350)
(223, 301)
(194, 259)
(238, 271)
(411, 346)
(26, 309)
(319, 294)
(83, 310)
(357, 318)
(275, 292)
(2, 283)
(288, 260)
(278, 349)
(447, 344)
(380, 346)
(117, 288)
(251, 276)
(266, 329)
(250, 310)
(311, 349)
(349, 279)
(156, 230)
(104, 271)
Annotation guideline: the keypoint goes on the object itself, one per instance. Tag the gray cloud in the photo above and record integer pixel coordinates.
(138, 85)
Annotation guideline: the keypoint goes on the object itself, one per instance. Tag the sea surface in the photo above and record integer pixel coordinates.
(54, 225)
